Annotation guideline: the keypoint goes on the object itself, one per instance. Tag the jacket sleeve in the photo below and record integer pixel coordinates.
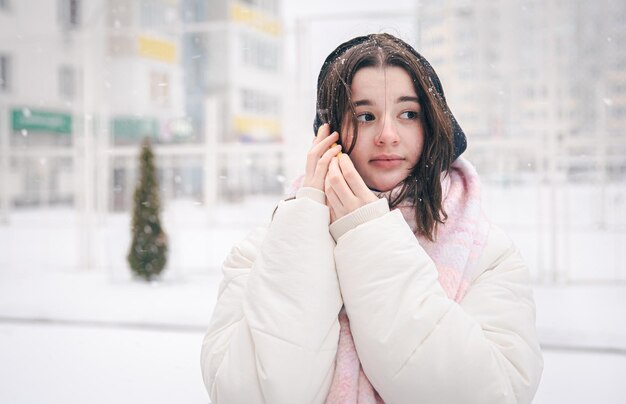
(416, 344)
(273, 333)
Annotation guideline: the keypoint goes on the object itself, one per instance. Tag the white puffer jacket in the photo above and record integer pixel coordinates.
(274, 331)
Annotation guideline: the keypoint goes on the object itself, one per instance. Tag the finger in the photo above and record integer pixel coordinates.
(354, 179)
(321, 168)
(323, 145)
(322, 132)
(338, 183)
(333, 200)
(316, 152)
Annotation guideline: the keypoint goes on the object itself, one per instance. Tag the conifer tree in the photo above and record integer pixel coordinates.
(148, 250)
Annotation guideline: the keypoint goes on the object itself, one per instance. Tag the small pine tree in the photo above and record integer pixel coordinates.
(148, 250)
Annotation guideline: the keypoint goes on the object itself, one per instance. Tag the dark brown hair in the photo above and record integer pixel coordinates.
(334, 104)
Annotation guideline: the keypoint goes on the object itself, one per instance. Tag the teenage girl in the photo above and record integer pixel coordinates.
(382, 280)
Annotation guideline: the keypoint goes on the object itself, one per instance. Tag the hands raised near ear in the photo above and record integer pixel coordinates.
(335, 175)
(319, 157)
(344, 188)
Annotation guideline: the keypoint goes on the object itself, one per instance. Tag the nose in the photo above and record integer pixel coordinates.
(388, 133)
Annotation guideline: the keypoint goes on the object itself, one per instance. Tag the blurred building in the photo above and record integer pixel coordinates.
(82, 82)
(544, 80)
(39, 94)
(232, 57)
(142, 96)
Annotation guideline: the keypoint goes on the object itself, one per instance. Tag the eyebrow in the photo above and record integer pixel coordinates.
(405, 98)
(362, 102)
(408, 99)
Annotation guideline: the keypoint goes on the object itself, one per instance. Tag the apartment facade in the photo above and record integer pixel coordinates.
(543, 79)
(233, 52)
(82, 82)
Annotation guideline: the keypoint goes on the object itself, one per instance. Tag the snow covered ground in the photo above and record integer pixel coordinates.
(84, 337)
(74, 335)
(48, 363)
(51, 363)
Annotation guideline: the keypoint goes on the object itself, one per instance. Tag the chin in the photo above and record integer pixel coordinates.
(384, 186)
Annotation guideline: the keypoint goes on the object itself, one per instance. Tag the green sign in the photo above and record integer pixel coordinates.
(134, 128)
(34, 120)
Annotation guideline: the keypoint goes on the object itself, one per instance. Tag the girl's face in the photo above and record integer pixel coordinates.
(390, 131)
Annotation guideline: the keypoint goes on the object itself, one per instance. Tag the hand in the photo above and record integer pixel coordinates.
(319, 157)
(344, 188)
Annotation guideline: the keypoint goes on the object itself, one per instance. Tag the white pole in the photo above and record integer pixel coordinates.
(553, 155)
(5, 153)
(211, 179)
(544, 273)
(104, 166)
(87, 167)
(601, 158)
(91, 32)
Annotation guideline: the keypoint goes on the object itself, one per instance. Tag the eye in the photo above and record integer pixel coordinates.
(365, 117)
(410, 115)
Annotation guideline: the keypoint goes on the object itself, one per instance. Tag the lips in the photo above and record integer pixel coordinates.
(387, 160)
(386, 157)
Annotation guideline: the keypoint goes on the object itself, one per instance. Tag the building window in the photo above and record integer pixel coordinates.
(159, 88)
(67, 82)
(259, 53)
(195, 54)
(69, 13)
(157, 13)
(120, 14)
(5, 74)
(259, 102)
